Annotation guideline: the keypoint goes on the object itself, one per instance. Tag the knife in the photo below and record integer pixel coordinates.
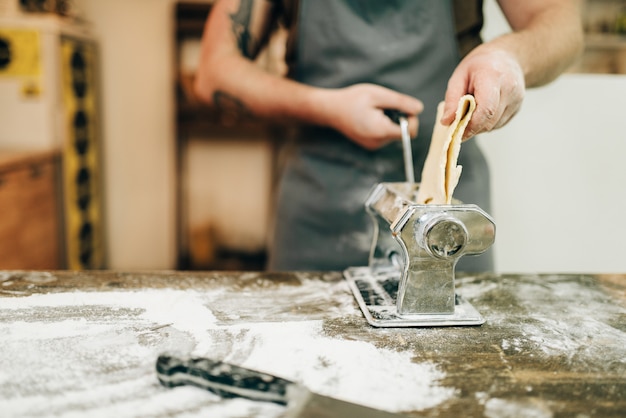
(228, 381)
(400, 118)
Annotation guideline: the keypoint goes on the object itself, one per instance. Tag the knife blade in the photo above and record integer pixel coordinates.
(228, 381)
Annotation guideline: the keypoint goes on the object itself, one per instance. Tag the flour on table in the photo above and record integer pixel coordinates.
(93, 353)
(575, 326)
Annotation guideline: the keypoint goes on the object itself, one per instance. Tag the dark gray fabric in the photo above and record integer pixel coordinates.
(406, 45)
(468, 22)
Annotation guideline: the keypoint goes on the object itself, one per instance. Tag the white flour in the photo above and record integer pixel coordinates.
(530, 408)
(68, 353)
(564, 319)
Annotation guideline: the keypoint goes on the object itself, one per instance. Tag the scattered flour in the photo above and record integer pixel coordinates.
(77, 353)
(568, 319)
(531, 408)
(352, 370)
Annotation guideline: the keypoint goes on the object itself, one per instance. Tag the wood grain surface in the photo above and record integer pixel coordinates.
(84, 343)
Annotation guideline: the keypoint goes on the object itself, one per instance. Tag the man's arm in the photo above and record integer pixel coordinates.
(546, 38)
(227, 76)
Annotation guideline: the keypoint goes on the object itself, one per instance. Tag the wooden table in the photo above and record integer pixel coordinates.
(85, 344)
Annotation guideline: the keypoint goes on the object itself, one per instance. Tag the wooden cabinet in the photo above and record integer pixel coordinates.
(29, 211)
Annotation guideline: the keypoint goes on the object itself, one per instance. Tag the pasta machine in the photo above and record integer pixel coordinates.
(410, 277)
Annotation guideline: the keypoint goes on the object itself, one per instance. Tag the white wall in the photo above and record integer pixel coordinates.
(558, 175)
(135, 39)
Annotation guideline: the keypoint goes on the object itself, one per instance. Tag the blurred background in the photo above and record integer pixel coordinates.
(107, 160)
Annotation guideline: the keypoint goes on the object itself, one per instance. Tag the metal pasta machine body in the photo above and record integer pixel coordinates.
(410, 277)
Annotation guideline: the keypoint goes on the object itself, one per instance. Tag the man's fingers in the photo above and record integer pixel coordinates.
(413, 125)
(450, 106)
(507, 115)
(457, 88)
(390, 99)
(488, 109)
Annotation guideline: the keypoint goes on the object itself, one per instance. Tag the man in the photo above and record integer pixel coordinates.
(349, 60)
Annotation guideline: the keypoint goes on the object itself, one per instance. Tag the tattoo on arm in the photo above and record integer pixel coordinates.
(230, 105)
(241, 29)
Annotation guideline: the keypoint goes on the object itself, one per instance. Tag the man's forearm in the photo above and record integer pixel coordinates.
(545, 43)
(234, 82)
(228, 78)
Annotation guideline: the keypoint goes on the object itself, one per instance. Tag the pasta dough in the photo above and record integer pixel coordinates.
(441, 173)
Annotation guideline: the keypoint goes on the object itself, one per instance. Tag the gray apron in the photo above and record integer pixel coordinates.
(406, 45)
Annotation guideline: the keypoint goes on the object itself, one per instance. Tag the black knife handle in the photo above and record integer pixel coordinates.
(394, 115)
(224, 379)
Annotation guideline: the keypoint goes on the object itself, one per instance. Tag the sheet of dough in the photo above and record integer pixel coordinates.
(441, 173)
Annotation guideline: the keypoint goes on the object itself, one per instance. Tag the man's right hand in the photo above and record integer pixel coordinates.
(358, 113)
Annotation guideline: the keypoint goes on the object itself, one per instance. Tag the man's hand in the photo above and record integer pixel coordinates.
(358, 113)
(496, 80)
(547, 37)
